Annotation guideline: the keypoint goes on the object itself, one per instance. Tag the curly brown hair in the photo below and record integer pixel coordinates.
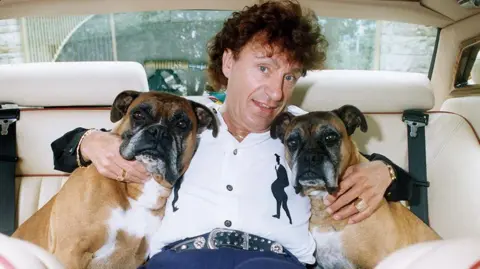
(283, 24)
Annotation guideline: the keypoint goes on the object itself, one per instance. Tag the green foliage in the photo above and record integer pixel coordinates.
(352, 43)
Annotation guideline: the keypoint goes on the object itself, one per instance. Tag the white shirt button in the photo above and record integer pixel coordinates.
(235, 152)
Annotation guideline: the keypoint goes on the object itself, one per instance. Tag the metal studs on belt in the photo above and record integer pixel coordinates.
(199, 242)
(276, 247)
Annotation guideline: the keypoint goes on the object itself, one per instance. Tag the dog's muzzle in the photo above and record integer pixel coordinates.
(154, 141)
(316, 171)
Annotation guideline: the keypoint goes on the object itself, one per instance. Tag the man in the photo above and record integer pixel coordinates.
(236, 181)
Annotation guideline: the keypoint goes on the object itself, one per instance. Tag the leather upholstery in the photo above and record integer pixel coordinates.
(466, 106)
(69, 83)
(370, 91)
(46, 125)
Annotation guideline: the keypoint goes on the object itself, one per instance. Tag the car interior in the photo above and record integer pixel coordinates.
(412, 66)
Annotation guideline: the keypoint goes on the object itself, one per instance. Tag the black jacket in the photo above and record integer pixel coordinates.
(65, 159)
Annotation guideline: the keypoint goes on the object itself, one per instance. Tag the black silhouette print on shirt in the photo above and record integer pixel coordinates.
(278, 189)
(176, 188)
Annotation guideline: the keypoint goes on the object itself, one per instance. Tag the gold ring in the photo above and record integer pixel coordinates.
(360, 205)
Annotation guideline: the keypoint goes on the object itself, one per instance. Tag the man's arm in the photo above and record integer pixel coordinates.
(401, 187)
(65, 150)
(101, 148)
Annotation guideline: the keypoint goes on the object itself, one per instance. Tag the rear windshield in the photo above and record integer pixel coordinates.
(176, 41)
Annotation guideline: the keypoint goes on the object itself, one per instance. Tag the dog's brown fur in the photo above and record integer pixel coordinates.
(72, 224)
(391, 227)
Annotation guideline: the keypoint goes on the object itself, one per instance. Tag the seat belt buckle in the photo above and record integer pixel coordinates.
(414, 127)
(9, 113)
(415, 119)
(4, 124)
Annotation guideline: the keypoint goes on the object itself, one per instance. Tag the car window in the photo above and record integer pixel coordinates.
(171, 44)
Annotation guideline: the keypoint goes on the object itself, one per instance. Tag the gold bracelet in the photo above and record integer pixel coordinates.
(393, 176)
(79, 163)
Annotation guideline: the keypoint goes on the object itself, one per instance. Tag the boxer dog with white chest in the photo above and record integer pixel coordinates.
(97, 222)
(318, 149)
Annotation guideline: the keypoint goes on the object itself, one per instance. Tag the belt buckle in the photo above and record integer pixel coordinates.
(214, 232)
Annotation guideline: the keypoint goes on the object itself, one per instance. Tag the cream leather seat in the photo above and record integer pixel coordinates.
(68, 95)
(468, 107)
(453, 149)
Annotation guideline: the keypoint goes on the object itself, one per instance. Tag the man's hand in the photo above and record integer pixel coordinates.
(103, 149)
(367, 181)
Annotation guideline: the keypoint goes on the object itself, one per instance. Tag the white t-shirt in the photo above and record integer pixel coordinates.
(238, 185)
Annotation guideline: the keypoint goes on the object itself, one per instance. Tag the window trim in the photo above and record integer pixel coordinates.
(464, 65)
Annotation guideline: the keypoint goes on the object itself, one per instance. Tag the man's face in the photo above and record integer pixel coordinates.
(258, 86)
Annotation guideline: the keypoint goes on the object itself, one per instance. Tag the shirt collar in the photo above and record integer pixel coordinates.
(250, 140)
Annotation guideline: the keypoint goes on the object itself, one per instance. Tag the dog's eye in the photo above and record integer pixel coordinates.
(137, 115)
(292, 144)
(331, 139)
(181, 124)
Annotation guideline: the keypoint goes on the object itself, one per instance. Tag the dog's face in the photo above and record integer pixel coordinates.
(318, 145)
(160, 130)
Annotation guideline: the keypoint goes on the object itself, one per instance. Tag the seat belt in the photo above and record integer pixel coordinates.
(9, 114)
(417, 162)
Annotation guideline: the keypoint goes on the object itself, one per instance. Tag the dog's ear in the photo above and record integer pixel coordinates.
(298, 188)
(352, 117)
(280, 124)
(121, 104)
(205, 118)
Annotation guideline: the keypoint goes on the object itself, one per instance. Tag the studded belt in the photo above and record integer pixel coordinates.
(228, 238)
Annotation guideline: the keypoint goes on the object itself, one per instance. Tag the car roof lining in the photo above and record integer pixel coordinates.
(438, 13)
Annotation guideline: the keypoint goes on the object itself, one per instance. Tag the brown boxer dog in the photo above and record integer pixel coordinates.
(318, 149)
(97, 222)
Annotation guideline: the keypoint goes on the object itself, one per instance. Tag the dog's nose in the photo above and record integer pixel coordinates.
(157, 131)
(332, 190)
(311, 158)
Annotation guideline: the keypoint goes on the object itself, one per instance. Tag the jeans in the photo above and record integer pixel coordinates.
(222, 258)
